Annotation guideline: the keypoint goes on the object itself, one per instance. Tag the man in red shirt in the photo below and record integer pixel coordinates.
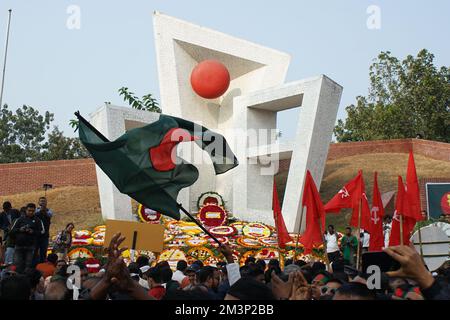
(154, 279)
(48, 268)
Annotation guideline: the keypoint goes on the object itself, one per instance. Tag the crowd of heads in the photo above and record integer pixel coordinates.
(143, 279)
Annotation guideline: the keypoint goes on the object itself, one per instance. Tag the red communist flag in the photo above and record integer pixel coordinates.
(376, 218)
(350, 196)
(413, 209)
(401, 204)
(315, 215)
(283, 234)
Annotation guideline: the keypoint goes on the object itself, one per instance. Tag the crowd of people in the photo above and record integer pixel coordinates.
(29, 274)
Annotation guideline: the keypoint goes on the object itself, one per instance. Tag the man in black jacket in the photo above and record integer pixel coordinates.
(45, 215)
(26, 231)
(7, 217)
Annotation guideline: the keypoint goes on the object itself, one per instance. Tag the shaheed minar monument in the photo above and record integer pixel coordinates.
(245, 114)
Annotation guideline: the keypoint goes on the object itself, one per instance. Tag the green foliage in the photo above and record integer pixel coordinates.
(23, 137)
(60, 147)
(406, 99)
(147, 102)
(22, 133)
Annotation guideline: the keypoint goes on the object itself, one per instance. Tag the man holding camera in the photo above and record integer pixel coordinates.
(26, 231)
(45, 215)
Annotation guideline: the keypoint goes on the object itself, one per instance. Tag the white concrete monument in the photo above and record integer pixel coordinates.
(246, 115)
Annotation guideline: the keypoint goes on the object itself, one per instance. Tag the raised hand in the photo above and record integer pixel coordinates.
(412, 265)
(280, 289)
(301, 290)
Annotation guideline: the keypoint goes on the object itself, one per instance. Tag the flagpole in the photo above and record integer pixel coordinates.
(199, 224)
(298, 234)
(327, 261)
(358, 249)
(6, 53)
(420, 242)
(401, 229)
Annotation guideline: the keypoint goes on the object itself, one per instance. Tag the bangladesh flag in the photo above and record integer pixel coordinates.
(142, 163)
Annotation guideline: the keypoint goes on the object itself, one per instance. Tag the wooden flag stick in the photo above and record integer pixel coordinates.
(298, 234)
(200, 225)
(325, 246)
(420, 242)
(401, 229)
(358, 249)
(133, 246)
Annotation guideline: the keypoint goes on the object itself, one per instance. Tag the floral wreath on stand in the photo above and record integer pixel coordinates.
(147, 215)
(210, 197)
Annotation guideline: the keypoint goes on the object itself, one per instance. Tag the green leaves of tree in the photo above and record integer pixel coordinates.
(23, 137)
(147, 102)
(406, 98)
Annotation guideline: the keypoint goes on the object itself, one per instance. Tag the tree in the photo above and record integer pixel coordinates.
(60, 147)
(406, 98)
(22, 133)
(147, 102)
(23, 137)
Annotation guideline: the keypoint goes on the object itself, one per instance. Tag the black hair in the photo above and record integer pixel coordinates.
(250, 289)
(356, 289)
(300, 263)
(254, 270)
(199, 263)
(52, 257)
(317, 267)
(268, 273)
(261, 263)
(330, 225)
(31, 205)
(244, 271)
(288, 262)
(7, 205)
(155, 274)
(348, 228)
(133, 267)
(307, 273)
(181, 265)
(250, 260)
(15, 287)
(205, 273)
(166, 273)
(70, 224)
(142, 261)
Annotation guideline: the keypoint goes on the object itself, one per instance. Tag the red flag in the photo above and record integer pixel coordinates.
(408, 223)
(350, 196)
(315, 215)
(412, 191)
(283, 234)
(376, 219)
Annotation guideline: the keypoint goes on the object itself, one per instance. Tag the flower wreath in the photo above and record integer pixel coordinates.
(210, 197)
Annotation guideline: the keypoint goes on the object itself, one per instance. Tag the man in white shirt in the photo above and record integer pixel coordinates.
(387, 226)
(331, 239)
(365, 240)
(179, 274)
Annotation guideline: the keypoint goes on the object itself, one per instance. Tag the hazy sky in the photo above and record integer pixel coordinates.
(54, 68)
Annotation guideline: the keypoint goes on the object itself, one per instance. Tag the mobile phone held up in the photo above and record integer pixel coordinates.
(381, 259)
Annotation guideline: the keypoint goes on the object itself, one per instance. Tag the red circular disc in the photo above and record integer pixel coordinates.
(445, 203)
(210, 79)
